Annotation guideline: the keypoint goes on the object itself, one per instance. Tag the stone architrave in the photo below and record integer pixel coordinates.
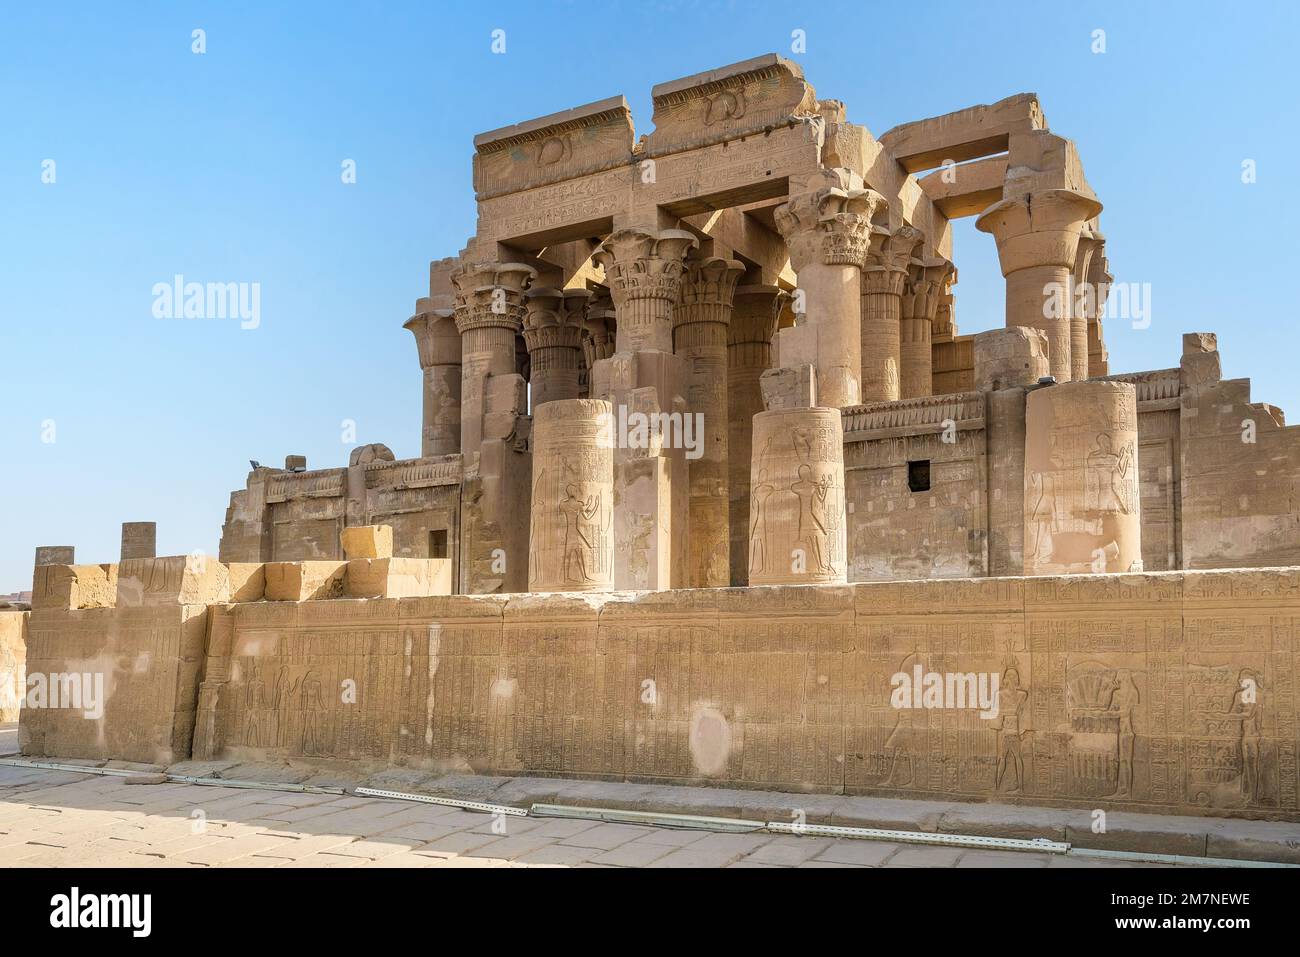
(553, 331)
(884, 280)
(439, 345)
(571, 532)
(139, 540)
(489, 316)
(827, 228)
(1038, 240)
(919, 306)
(1082, 503)
(755, 312)
(797, 518)
(700, 324)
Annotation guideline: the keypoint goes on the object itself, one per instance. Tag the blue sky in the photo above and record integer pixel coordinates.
(225, 167)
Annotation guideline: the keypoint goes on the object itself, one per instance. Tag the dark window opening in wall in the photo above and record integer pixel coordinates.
(438, 543)
(918, 476)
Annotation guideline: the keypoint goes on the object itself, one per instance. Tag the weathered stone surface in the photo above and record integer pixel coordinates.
(139, 540)
(175, 580)
(368, 541)
(1011, 358)
(247, 581)
(136, 673)
(13, 658)
(397, 577)
(301, 581)
(74, 586)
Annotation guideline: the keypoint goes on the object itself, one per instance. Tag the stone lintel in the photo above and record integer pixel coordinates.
(962, 135)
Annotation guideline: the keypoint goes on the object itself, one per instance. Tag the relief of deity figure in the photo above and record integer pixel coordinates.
(1245, 706)
(578, 533)
(813, 509)
(1011, 702)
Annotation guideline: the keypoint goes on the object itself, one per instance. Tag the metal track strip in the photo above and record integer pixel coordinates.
(446, 802)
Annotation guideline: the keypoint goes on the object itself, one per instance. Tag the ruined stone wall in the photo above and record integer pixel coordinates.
(898, 532)
(1240, 470)
(1115, 691)
(13, 656)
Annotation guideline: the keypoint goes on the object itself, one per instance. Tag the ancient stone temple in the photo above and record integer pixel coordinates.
(726, 353)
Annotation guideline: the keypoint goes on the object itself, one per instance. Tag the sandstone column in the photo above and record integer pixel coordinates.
(438, 342)
(920, 304)
(884, 278)
(1082, 303)
(700, 324)
(754, 317)
(553, 329)
(1082, 508)
(139, 540)
(1038, 238)
(571, 534)
(1099, 280)
(797, 519)
(645, 384)
(494, 423)
(489, 315)
(827, 228)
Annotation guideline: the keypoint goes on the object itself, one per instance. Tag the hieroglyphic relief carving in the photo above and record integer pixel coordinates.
(797, 528)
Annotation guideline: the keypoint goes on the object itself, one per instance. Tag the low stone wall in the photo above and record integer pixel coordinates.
(1173, 691)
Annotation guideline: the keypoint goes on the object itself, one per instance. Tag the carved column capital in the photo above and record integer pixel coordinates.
(755, 314)
(554, 318)
(643, 263)
(708, 287)
(491, 295)
(1038, 229)
(888, 258)
(927, 283)
(436, 336)
(829, 224)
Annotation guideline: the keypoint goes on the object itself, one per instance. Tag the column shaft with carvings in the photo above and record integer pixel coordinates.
(553, 330)
(439, 344)
(755, 313)
(644, 382)
(827, 227)
(884, 280)
(700, 324)
(1099, 280)
(1038, 239)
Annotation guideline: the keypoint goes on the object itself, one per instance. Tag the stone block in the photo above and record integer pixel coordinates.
(139, 540)
(398, 577)
(368, 541)
(173, 580)
(304, 581)
(74, 586)
(247, 581)
(295, 463)
(789, 388)
(1010, 358)
(55, 555)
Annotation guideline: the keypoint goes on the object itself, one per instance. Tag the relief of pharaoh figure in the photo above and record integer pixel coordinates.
(1245, 706)
(1011, 701)
(813, 509)
(1109, 481)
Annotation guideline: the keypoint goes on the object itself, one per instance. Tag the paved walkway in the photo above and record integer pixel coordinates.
(56, 818)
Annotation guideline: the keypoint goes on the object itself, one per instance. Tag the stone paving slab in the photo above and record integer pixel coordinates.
(57, 819)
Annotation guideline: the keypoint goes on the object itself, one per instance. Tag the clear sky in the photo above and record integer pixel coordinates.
(226, 166)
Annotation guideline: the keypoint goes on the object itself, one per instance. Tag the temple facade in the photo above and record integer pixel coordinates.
(726, 353)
